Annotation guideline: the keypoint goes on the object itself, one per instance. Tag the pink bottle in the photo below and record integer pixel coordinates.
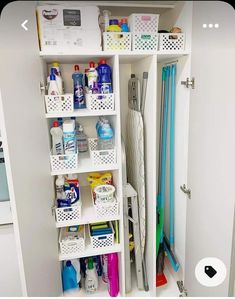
(113, 281)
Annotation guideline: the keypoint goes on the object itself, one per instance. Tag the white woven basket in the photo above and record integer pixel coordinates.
(100, 102)
(64, 162)
(147, 23)
(171, 41)
(72, 213)
(102, 157)
(102, 240)
(117, 41)
(59, 103)
(144, 41)
(74, 246)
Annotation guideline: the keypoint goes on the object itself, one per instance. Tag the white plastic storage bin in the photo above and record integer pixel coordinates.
(102, 157)
(102, 241)
(144, 41)
(59, 103)
(72, 242)
(66, 214)
(108, 209)
(100, 102)
(120, 41)
(171, 41)
(147, 23)
(64, 162)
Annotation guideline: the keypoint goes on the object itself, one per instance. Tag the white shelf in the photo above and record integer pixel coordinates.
(124, 56)
(85, 165)
(88, 211)
(81, 113)
(89, 251)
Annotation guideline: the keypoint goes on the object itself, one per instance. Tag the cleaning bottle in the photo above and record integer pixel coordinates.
(57, 141)
(104, 262)
(53, 88)
(82, 140)
(69, 137)
(59, 186)
(69, 277)
(104, 77)
(98, 265)
(113, 276)
(113, 26)
(124, 25)
(92, 76)
(79, 99)
(105, 136)
(76, 265)
(56, 66)
(91, 281)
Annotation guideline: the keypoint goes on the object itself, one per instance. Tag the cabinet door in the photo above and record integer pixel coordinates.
(27, 151)
(211, 143)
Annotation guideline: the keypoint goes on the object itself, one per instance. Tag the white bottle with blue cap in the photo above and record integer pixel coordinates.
(53, 86)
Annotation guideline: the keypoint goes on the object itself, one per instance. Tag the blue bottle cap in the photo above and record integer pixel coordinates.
(68, 263)
(52, 77)
(113, 22)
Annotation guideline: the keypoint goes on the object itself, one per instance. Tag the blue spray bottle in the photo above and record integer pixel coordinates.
(79, 97)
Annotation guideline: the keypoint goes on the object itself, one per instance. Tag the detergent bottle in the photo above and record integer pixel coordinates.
(113, 281)
(91, 282)
(92, 76)
(57, 139)
(104, 77)
(69, 277)
(79, 98)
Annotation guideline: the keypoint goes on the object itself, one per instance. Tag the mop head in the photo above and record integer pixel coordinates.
(160, 277)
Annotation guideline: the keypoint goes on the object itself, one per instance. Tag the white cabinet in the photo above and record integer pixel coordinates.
(204, 126)
(10, 274)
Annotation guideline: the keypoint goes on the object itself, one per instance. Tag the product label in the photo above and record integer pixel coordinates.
(79, 94)
(106, 88)
(50, 14)
(72, 17)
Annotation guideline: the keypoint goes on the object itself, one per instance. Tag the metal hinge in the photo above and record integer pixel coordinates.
(42, 88)
(186, 190)
(189, 83)
(183, 291)
(53, 210)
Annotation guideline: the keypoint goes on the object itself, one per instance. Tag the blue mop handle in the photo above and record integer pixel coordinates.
(172, 156)
(164, 142)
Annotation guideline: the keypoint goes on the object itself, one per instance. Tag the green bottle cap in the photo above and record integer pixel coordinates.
(90, 263)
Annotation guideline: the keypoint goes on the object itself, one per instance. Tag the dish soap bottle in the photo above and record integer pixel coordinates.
(91, 282)
(82, 140)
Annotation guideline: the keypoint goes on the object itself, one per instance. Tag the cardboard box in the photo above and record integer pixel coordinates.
(62, 28)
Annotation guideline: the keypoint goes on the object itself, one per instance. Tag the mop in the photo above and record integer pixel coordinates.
(169, 245)
(160, 278)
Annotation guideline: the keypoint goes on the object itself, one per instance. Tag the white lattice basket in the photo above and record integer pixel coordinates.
(107, 209)
(102, 157)
(64, 162)
(102, 241)
(72, 246)
(72, 213)
(100, 101)
(171, 41)
(143, 23)
(59, 103)
(144, 41)
(120, 41)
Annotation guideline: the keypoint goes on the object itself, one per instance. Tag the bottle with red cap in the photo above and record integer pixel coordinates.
(79, 98)
(104, 77)
(92, 76)
(57, 139)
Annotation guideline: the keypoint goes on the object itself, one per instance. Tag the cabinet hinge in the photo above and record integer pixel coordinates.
(53, 210)
(186, 190)
(189, 83)
(182, 290)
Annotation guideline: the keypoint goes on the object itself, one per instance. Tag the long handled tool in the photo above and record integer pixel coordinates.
(169, 245)
(160, 279)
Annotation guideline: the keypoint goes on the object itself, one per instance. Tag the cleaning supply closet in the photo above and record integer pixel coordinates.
(35, 169)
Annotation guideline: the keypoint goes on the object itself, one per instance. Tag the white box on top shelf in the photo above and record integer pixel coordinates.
(64, 28)
(143, 23)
